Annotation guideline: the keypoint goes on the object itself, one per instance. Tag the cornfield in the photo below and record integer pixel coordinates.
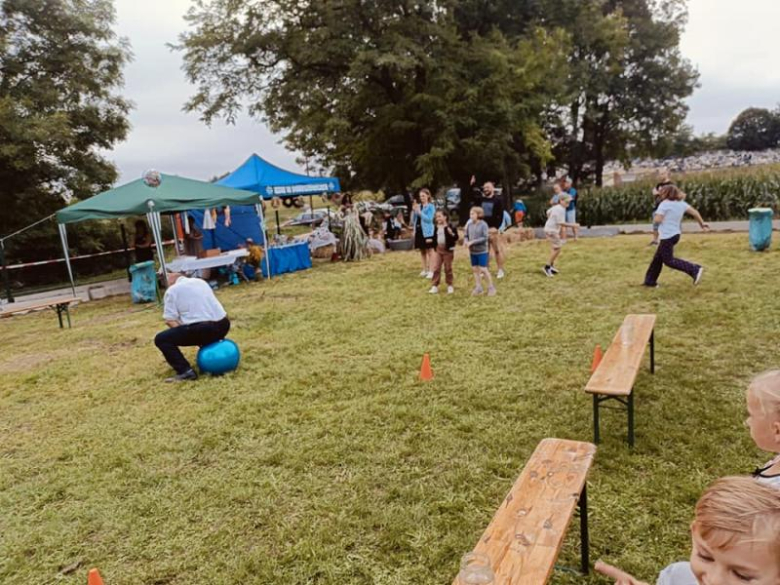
(718, 196)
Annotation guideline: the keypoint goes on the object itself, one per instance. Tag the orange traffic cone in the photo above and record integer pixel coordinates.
(426, 373)
(94, 577)
(597, 355)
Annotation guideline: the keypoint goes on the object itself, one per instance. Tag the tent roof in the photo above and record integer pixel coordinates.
(173, 194)
(257, 174)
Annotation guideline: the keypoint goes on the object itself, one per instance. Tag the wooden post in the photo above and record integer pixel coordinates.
(6, 280)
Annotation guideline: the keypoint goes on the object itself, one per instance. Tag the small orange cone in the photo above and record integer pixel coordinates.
(426, 373)
(94, 577)
(597, 355)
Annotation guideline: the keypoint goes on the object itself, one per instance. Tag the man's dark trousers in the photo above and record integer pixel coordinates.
(665, 255)
(202, 333)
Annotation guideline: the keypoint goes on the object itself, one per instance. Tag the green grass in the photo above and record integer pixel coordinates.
(324, 460)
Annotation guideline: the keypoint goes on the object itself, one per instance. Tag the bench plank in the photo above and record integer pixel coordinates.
(23, 308)
(526, 534)
(616, 374)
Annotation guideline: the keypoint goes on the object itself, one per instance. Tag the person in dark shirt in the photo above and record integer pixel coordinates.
(143, 242)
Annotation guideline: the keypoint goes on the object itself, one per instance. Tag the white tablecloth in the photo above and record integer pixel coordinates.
(190, 263)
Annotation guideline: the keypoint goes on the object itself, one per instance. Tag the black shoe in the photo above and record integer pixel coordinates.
(554, 270)
(547, 271)
(188, 375)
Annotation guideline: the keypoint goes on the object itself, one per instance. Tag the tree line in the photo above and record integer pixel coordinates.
(387, 95)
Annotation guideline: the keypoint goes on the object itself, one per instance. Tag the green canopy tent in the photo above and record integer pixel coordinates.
(173, 194)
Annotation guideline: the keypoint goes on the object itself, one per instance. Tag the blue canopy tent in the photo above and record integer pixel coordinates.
(260, 176)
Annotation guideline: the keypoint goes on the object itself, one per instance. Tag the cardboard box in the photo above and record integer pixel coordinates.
(209, 253)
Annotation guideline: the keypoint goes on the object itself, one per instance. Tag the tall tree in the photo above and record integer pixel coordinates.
(390, 94)
(60, 70)
(754, 129)
(627, 83)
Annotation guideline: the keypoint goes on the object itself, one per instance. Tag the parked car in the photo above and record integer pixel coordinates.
(308, 218)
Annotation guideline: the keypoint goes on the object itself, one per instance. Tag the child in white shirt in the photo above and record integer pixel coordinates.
(556, 221)
(736, 539)
(763, 405)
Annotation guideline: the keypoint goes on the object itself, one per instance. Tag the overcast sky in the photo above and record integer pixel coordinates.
(731, 42)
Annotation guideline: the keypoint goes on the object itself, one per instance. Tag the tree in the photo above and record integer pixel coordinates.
(754, 129)
(389, 95)
(60, 67)
(627, 83)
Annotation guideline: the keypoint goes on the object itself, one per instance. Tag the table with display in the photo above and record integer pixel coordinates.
(192, 263)
(287, 258)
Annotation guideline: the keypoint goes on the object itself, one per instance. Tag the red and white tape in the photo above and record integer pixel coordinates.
(56, 260)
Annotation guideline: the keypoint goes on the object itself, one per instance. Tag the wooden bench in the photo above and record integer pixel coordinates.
(526, 534)
(61, 305)
(615, 376)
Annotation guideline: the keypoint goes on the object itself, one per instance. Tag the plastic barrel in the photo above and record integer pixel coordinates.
(143, 287)
(760, 228)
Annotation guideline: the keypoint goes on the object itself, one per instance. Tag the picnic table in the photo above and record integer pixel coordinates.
(615, 375)
(59, 304)
(526, 534)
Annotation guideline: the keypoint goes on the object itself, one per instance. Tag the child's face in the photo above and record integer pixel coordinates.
(440, 219)
(742, 563)
(764, 428)
(474, 217)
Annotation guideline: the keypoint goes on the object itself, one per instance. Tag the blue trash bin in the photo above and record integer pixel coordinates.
(143, 287)
(760, 228)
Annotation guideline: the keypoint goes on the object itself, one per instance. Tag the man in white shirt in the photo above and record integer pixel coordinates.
(194, 317)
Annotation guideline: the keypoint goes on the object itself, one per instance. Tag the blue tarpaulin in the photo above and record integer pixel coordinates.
(260, 176)
(244, 224)
(289, 258)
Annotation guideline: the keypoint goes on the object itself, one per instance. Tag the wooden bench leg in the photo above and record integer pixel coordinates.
(59, 315)
(631, 419)
(584, 536)
(596, 419)
(652, 352)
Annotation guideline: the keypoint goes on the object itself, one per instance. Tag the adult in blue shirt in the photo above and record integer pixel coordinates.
(422, 220)
(571, 210)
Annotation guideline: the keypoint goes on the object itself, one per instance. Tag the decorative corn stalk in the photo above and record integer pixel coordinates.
(353, 244)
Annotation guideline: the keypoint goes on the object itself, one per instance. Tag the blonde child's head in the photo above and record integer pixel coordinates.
(763, 405)
(476, 213)
(425, 196)
(736, 533)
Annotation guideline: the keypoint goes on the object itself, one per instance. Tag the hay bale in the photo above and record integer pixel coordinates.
(324, 251)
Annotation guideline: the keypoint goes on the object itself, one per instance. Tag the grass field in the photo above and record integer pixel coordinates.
(324, 460)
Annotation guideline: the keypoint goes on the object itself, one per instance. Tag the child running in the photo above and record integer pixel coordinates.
(556, 222)
(736, 539)
(763, 405)
(476, 240)
(445, 238)
(669, 216)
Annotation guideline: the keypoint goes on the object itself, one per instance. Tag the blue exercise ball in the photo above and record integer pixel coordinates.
(219, 357)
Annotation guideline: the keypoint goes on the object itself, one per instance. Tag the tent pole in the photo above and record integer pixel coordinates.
(175, 236)
(64, 237)
(158, 225)
(153, 218)
(6, 279)
(127, 251)
(259, 208)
